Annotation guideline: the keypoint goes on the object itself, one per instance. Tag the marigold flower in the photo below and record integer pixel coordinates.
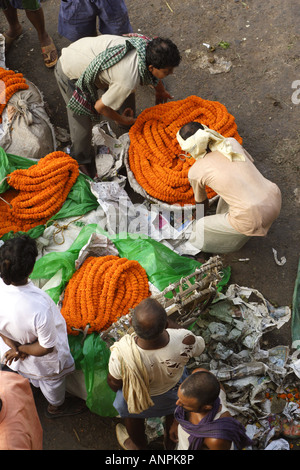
(102, 290)
(155, 157)
(37, 193)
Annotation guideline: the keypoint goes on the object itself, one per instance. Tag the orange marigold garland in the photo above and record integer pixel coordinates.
(155, 157)
(102, 290)
(37, 193)
(11, 83)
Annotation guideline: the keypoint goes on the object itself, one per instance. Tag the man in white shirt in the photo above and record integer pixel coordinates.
(33, 333)
(98, 76)
(145, 370)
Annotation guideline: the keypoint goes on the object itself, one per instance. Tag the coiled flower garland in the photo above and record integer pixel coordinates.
(37, 193)
(11, 82)
(102, 290)
(155, 156)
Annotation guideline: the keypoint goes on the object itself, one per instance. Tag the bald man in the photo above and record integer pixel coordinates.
(248, 204)
(203, 422)
(145, 370)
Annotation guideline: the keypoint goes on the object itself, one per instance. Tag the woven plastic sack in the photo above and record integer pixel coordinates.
(27, 129)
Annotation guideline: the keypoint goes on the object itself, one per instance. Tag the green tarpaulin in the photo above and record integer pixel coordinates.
(296, 312)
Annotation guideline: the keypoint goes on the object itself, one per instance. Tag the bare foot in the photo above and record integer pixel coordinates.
(11, 35)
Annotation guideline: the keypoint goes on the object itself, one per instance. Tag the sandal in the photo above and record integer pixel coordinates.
(122, 435)
(71, 407)
(50, 55)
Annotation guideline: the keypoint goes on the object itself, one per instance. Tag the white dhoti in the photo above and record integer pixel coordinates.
(214, 234)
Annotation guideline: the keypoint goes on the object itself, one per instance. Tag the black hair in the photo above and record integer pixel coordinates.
(162, 53)
(149, 319)
(202, 385)
(190, 129)
(17, 258)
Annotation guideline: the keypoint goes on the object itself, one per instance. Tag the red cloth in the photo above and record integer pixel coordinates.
(20, 427)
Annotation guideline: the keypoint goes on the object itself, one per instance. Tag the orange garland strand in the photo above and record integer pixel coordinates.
(13, 82)
(155, 157)
(102, 290)
(37, 193)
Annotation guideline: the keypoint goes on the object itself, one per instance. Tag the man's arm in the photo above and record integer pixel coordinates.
(19, 351)
(217, 444)
(125, 119)
(114, 384)
(12, 354)
(9, 342)
(161, 94)
(205, 204)
(34, 349)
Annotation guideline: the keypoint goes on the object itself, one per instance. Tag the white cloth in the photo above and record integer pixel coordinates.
(183, 436)
(214, 233)
(165, 365)
(28, 314)
(196, 145)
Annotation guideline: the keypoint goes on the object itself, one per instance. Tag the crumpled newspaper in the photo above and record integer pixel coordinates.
(233, 328)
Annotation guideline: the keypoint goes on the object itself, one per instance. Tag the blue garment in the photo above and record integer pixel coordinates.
(30, 5)
(78, 18)
(164, 404)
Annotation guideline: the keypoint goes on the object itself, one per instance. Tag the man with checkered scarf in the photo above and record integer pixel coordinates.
(97, 77)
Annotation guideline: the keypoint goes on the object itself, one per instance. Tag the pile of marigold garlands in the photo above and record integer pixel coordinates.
(37, 193)
(155, 157)
(102, 290)
(10, 83)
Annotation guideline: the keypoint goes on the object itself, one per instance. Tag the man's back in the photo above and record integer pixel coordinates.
(254, 202)
(165, 365)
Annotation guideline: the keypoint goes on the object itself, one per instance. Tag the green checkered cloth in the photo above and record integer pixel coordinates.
(85, 94)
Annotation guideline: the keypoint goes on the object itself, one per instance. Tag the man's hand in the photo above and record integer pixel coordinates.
(125, 119)
(128, 117)
(162, 97)
(13, 355)
(161, 94)
(114, 384)
(173, 432)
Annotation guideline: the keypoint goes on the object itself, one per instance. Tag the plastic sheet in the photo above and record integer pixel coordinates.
(92, 357)
(163, 266)
(296, 312)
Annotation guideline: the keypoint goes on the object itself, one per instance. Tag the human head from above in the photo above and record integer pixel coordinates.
(198, 392)
(17, 259)
(162, 56)
(149, 319)
(197, 140)
(193, 138)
